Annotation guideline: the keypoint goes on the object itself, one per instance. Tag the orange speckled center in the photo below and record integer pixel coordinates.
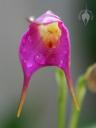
(50, 34)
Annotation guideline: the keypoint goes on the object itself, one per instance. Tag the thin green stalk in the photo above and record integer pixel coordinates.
(81, 91)
(62, 95)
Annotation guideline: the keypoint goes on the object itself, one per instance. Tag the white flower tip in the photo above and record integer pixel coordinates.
(49, 12)
(30, 19)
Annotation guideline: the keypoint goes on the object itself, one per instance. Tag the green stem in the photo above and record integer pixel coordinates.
(62, 95)
(81, 91)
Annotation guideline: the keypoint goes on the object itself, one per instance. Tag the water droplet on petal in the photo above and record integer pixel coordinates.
(40, 59)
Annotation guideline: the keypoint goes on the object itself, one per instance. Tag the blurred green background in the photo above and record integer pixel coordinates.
(40, 109)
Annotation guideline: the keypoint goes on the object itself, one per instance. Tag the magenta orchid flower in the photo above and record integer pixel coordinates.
(46, 43)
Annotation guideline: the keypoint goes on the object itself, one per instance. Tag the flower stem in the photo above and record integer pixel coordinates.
(81, 91)
(62, 95)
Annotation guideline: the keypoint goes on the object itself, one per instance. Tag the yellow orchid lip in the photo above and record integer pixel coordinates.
(50, 34)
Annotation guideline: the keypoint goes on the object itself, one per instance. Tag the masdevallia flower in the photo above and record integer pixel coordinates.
(45, 43)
